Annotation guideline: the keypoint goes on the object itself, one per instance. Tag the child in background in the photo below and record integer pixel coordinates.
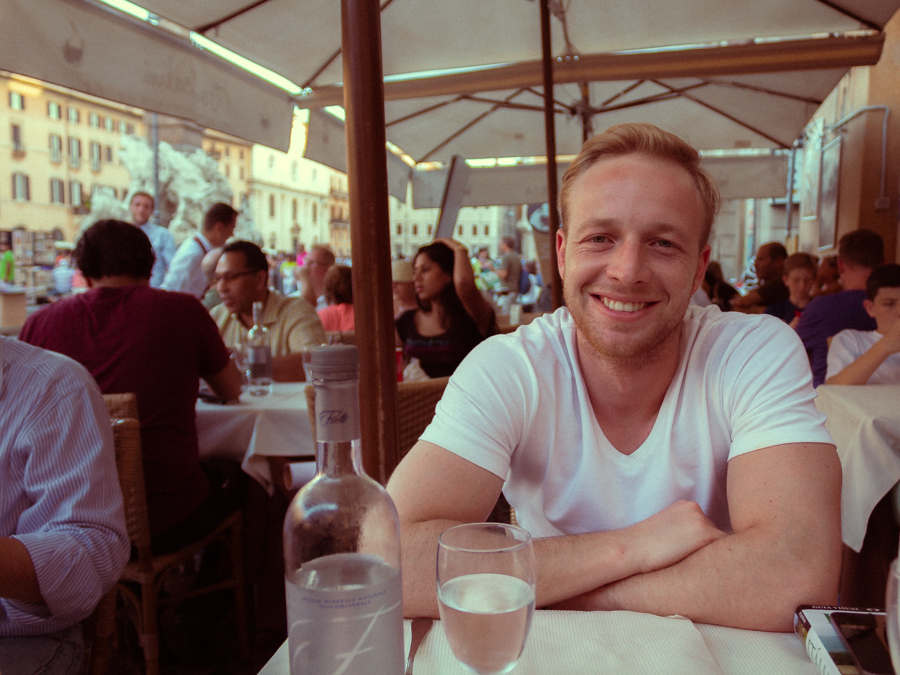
(799, 276)
(871, 357)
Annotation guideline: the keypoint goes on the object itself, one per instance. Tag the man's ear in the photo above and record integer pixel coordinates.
(702, 263)
(561, 252)
(869, 306)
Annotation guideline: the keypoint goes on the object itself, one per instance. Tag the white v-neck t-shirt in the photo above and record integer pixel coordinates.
(518, 407)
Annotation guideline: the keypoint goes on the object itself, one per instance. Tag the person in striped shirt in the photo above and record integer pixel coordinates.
(63, 542)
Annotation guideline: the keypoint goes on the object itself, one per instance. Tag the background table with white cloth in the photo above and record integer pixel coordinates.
(864, 422)
(620, 643)
(256, 428)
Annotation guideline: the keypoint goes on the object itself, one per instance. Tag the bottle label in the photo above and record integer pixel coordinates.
(259, 355)
(337, 414)
(352, 628)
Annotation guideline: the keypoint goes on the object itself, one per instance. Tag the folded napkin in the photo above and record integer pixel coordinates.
(612, 643)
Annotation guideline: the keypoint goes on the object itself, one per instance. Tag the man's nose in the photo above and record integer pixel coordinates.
(627, 263)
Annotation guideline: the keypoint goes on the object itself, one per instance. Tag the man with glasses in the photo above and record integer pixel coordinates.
(242, 275)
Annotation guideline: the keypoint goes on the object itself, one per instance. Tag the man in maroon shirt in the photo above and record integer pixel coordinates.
(156, 344)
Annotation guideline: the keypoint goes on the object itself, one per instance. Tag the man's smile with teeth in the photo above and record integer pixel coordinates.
(619, 306)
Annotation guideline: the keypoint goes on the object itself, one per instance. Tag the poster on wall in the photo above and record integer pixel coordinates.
(828, 197)
(812, 157)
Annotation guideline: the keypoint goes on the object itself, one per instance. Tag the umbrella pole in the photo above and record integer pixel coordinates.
(550, 133)
(370, 234)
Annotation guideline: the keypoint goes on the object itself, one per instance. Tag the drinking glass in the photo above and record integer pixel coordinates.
(485, 587)
(892, 605)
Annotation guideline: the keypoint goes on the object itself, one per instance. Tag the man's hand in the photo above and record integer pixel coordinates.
(672, 535)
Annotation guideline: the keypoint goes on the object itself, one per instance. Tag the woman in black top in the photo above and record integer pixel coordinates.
(452, 316)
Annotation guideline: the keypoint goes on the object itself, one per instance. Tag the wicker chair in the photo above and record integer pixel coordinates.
(142, 579)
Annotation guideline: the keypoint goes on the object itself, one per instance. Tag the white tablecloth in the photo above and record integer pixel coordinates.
(621, 643)
(865, 424)
(257, 427)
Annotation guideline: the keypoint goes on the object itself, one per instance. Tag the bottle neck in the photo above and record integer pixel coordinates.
(337, 427)
(257, 314)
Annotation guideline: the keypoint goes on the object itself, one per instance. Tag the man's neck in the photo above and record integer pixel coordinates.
(626, 395)
(247, 319)
(854, 278)
(117, 281)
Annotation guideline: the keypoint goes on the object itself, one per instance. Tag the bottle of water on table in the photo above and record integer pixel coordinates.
(342, 543)
(259, 355)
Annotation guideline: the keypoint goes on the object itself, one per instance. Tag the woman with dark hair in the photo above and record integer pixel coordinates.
(452, 317)
(338, 315)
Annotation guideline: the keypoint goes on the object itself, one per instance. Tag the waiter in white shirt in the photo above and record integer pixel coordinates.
(186, 271)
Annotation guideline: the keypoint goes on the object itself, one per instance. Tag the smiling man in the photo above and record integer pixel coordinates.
(662, 460)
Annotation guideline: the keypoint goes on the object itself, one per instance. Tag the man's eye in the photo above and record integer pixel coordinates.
(664, 243)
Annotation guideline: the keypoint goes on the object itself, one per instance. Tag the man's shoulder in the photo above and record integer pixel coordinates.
(708, 325)
(26, 367)
(286, 307)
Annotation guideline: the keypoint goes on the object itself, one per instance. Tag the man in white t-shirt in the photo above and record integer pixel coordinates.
(664, 461)
(871, 356)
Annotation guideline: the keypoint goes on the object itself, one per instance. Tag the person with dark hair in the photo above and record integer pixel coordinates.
(719, 291)
(828, 277)
(871, 357)
(859, 252)
(142, 206)
(769, 265)
(339, 296)
(186, 270)
(666, 458)
(155, 344)
(452, 317)
(242, 278)
(799, 277)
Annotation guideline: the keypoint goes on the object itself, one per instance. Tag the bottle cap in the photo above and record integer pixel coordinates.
(334, 362)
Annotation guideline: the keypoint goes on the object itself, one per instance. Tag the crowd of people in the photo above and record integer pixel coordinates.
(586, 419)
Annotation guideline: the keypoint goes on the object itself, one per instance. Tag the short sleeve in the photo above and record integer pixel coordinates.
(843, 351)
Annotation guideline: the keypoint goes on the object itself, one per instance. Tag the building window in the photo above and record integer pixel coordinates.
(293, 209)
(129, 128)
(75, 196)
(241, 155)
(315, 213)
(16, 102)
(399, 229)
(242, 173)
(122, 127)
(459, 230)
(54, 112)
(474, 230)
(227, 171)
(227, 151)
(430, 229)
(96, 156)
(271, 206)
(55, 148)
(487, 230)
(21, 187)
(415, 230)
(109, 124)
(74, 153)
(18, 145)
(109, 154)
(57, 191)
(94, 120)
(74, 115)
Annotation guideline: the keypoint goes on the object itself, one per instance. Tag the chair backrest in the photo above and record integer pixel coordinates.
(416, 402)
(127, 439)
(121, 406)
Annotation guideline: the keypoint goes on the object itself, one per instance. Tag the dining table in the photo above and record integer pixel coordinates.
(255, 430)
(619, 643)
(864, 422)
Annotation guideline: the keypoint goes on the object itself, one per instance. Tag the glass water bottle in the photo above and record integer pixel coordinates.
(259, 355)
(342, 543)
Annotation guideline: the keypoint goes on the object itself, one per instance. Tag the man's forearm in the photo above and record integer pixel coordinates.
(747, 580)
(18, 580)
